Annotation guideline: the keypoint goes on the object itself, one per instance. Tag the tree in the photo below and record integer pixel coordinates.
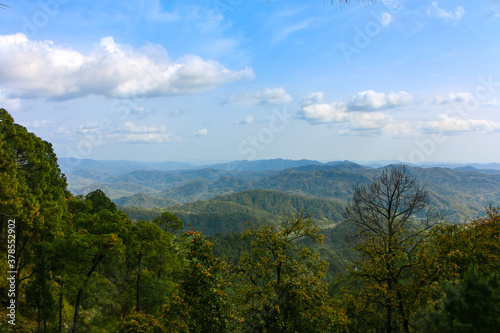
(473, 305)
(34, 190)
(467, 245)
(93, 245)
(201, 304)
(280, 288)
(150, 255)
(169, 222)
(389, 237)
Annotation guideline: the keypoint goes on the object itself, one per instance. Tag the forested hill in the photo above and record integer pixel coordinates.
(459, 195)
(234, 212)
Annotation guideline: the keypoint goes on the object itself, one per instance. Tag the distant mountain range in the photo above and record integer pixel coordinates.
(460, 193)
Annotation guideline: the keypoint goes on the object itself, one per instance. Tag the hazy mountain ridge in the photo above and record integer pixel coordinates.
(235, 212)
(460, 194)
(145, 201)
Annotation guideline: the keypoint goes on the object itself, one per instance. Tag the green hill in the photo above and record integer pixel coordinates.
(234, 212)
(145, 201)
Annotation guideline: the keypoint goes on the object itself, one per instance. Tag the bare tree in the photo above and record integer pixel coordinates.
(391, 221)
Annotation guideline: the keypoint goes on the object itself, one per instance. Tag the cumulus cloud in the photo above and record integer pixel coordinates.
(246, 121)
(358, 112)
(324, 113)
(201, 132)
(266, 97)
(436, 11)
(370, 99)
(355, 122)
(313, 98)
(451, 98)
(369, 121)
(43, 69)
(448, 125)
(351, 121)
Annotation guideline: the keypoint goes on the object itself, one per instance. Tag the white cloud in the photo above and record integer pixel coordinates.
(128, 132)
(324, 113)
(313, 98)
(359, 122)
(386, 19)
(369, 121)
(452, 98)
(41, 123)
(246, 121)
(444, 14)
(354, 122)
(9, 104)
(370, 99)
(42, 69)
(449, 125)
(266, 97)
(201, 132)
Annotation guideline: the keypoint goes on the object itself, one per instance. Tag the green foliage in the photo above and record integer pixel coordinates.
(169, 222)
(280, 287)
(137, 213)
(138, 322)
(473, 305)
(144, 201)
(202, 303)
(100, 202)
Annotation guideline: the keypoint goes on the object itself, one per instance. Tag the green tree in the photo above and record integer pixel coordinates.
(202, 304)
(35, 199)
(473, 305)
(151, 253)
(280, 287)
(389, 237)
(169, 222)
(100, 201)
(93, 247)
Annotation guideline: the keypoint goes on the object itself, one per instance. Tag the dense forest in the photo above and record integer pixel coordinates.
(385, 260)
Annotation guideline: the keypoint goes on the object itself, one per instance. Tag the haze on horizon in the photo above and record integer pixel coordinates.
(218, 80)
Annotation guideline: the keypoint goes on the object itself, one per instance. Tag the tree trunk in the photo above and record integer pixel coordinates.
(388, 323)
(77, 310)
(96, 260)
(60, 307)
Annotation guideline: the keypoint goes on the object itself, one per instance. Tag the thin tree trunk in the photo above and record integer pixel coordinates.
(60, 307)
(77, 310)
(97, 260)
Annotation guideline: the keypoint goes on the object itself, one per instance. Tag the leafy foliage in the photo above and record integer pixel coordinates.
(281, 289)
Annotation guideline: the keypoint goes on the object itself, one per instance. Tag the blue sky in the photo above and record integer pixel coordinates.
(220, 80)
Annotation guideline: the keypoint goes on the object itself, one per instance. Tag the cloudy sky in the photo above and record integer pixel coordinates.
(220, 80)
